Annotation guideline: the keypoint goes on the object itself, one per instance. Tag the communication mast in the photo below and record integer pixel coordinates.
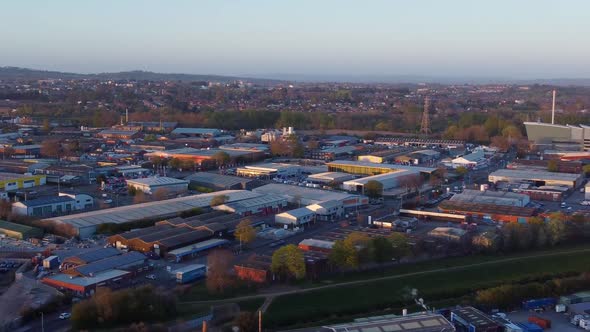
(425, 126)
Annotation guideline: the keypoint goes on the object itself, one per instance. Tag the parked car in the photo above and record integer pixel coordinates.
(65, 315)
(151, 277)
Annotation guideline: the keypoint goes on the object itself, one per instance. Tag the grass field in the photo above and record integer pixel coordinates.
(329, 304)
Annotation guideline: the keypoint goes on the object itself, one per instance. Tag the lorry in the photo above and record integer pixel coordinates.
(51, 262)
(190, 273)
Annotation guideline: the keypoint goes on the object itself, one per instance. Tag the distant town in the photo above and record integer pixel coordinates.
(179, 205)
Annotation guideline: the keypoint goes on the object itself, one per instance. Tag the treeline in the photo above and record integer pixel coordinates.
(358, 248)
(511, 295)
(109, 308)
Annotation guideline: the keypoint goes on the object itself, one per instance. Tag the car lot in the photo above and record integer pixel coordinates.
(559, 321)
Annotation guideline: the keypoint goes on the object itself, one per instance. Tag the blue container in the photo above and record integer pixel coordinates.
(529, 327)
(537, 303)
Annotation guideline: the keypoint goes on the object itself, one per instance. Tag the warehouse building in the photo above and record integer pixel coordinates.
(270, 170)
(197, 132)
(553, 136)
(417, 322)
(471, 160)
(365, 168)
(88, 257)
(178, 255)
(46, 206)
(308, 196)
(538, 178)
(265, 204)
(205, 157)
(391, 180)
(449, 234)
(217, 181)
(473, 320)
(380, 157)
(327, 211)
(84, 224)
(316, 245)
(153, 184)
(330, 177)
(14, 181)
(492, 197)
(84, 279)
(295, 218)
(118, 134)
(19, 231)
(489, 212)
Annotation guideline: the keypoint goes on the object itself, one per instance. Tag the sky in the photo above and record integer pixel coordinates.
(516, 39)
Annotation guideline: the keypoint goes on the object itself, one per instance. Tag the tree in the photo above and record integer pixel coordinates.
(461, 170)
(51, 148)
(400, 244)
(381, 249)
(175, 163)
(246, 322)
(373, 189)
(219, 265)
(46, 127)
(245, 233)
(219, 200)
(552, 166)
(221, 158)
(288, 261)
(9, 152)
(556, 228)
(344, 254)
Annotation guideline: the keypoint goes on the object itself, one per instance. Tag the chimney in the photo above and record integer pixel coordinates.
(553, 109)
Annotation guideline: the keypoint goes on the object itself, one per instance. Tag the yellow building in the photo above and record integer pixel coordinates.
(15, 181)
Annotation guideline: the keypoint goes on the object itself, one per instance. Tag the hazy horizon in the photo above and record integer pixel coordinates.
(319, 40)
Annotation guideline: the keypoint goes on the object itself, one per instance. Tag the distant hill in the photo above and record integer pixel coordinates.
(11, 73)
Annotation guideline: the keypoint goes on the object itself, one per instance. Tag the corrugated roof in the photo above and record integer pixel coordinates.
(96, 255)
(47, 200)
(110, 263)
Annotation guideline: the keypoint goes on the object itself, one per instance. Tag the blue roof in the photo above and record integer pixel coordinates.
(111, 263)
(47, 200)
(96, 255)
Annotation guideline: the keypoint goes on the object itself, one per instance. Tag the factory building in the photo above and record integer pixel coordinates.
(84, 224)
(118, 134)
(308, 196)
(330, 177)
(217, 181)
(14, 181)
(471, 160)
(538, 178)
(492, 197)
(265, 204)
(380, 157)
(83, 280)
(552, 136)
(46, 206)
(488, 212)
(365, 168)
(19, 231)
(417, 322)
(197, 132)
(295, 218)
(206, 157)
(473, 320)
(327, 211)
(389, 180)
(270, 170)
(153, 184)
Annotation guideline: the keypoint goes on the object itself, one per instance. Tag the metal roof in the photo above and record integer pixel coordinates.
(158, 209)
(308, 195)
(421, 322)
(111, 263)
(185, 238)
(391, 167)
(216, 179)
(203, 245)
(474, 317)
(536, 175)
(487, 209)
(87, 281)
(196, 131)
(47, 200)
(96, 255)
(298, 213)
(156, 181)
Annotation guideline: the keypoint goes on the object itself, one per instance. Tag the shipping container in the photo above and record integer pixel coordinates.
(537, 303)
(51, 262)
(190, 273)
(560, 308)
(529, 327)
(542, 322)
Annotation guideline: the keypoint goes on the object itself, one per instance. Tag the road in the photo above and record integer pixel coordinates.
(393, 277)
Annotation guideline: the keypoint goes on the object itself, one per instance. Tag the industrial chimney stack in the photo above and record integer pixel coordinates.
(553, 109)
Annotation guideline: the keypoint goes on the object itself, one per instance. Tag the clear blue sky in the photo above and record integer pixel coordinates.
(500, 38)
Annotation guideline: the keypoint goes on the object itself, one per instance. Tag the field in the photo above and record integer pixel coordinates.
(446, 279)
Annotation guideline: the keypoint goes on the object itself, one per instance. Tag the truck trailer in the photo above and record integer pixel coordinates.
(190, 273)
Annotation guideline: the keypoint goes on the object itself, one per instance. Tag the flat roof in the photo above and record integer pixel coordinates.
(157, 209)
(256, 201)
(475, 317)
(198, 246)
(487, 208)
(297, 213)
(384, 166)
(19, 228)
(273, 167)
(196, 131)
(88, 281)
(419, 322)
(317, 243)
(311, 194)
(189, 268)
(156, 181)
(382, 177)
(10, 176)
(331, 176)
(95, 255)
(536, 175)
(47, 200)
(216, 179)
(110, 263)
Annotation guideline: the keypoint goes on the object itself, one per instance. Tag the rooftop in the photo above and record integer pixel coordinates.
(536, 175)
(217, 179)
(110, 263)
(487, 208)
(156, 181)
(88, 281)
(47, 200)
(391, 167)
(157, 209)
(310, 194)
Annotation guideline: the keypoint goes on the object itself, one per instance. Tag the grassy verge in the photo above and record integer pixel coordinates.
(395, 293)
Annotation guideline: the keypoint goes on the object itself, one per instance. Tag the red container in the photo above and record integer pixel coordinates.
(542, 322)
